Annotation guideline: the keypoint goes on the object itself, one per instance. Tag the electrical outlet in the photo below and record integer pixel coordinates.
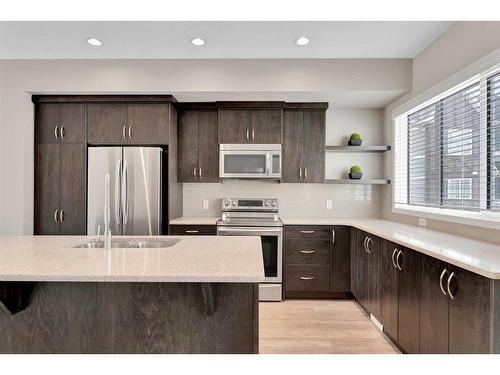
(205, 204)
(422, 222)
(329, 204)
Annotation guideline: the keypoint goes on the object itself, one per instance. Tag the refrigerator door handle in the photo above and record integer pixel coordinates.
(125, 192)
(118, 179)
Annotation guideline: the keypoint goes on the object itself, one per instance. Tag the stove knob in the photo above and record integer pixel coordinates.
(234, 203)
(227, 202)
(266, 203)
(274, 203)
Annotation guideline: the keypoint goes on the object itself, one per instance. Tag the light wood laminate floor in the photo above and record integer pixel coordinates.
(318, 326)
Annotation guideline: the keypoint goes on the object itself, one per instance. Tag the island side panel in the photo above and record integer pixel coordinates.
(133, 318)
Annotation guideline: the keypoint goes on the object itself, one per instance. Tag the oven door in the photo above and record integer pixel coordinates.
(272, 247)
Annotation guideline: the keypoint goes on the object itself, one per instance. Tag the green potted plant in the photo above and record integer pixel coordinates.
(355, 172)
(355, 139)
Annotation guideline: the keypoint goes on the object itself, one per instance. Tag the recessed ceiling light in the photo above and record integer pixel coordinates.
(302, 41)
(198, 41)
(94, 42)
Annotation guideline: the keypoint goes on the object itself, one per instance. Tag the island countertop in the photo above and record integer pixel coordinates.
(194, 259)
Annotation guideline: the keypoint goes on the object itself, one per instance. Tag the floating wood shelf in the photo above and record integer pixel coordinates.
(380, 181)
(358, 148)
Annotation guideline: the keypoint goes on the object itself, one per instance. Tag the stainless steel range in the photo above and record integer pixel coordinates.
(258, 217)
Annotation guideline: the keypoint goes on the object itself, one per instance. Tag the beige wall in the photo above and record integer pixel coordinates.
(465, 49)
(204, 79)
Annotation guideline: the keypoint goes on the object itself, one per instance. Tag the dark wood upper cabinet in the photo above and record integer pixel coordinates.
(408, 262)
(148, 123)
(261, 126)
(60, 122)
(47, 169)
(292, 146)
(469, 312)
(107, 123)
(304, 146)
(433, 332)
(120, 123)
(266, 126)
(234, 125)
(340, 250)
(73, 189)
(389, 300)
(198, 147)
(314, 146)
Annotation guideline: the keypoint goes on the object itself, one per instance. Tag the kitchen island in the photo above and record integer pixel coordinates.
(193, 295)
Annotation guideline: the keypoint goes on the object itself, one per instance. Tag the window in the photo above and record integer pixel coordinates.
(447, 152)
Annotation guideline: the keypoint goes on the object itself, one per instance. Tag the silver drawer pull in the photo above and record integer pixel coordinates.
(307, 231)
(192, 231)
(307, 251)
(307, 277)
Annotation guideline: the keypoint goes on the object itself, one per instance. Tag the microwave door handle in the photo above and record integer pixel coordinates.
(268, 163)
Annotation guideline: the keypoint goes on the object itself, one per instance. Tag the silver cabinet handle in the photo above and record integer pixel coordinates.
(130, 132)
(199, 172)
(448, 285)
(393, 261)
(56, 216)
(305, 173)
(397, 260)
(364, 243)
(56, 132)
(307, 277)
(123, 132)
(61, 216)
(63, 131)
(307, 231)
(194, 173)
(247, 134)
(441, 281)
(367, 245)
(300, 173)
(191, 231)
(333, 236)
(253, 134)
(307, 251)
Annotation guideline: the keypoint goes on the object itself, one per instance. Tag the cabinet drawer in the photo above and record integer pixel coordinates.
(193, 230)
(307, 278)
(307, 231)
(307, 251)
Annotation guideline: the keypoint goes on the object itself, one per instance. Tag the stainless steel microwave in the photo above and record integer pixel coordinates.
(250, 161)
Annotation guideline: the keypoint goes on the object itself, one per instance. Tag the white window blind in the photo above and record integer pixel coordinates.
(447, 151)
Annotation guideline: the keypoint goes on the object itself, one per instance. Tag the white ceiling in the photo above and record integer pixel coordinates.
(171, 40)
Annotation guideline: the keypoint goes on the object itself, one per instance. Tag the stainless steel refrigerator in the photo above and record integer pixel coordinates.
(135, 189)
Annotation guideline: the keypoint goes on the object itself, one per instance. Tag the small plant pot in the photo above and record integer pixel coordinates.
(355, 176)
(355, 142)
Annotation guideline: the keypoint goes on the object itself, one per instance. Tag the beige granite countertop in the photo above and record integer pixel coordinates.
(195, 220)
(477, 256)
(192, 259)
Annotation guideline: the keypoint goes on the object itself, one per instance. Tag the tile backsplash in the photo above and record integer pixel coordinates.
(296, 200)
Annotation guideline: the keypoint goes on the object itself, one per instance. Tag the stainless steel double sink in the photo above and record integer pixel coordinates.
(137, 243)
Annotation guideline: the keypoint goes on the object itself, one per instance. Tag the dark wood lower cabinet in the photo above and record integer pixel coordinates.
(408, 263)
(389, 299)
(340, 276)
(311, 278)
(193, 230)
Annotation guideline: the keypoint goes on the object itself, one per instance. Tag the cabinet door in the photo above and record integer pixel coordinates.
(374, 258)
(470, 312)
(106, 122)
(362, 262)
(234, 125)
(389, 289)
(208, 146)
(314, 146)
(433, 307)
(69, 118)
(47, 170)
(149, 124)
(187, 143)
(266, 126)
(292, 146)
(354, 262)
(340, 275)
(73, 187)
(409, 299)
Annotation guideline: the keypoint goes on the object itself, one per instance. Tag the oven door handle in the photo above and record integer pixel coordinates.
(249, 230)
